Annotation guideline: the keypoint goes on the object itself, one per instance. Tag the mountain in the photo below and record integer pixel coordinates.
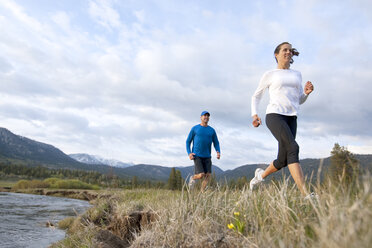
(310, 167)
(15, 149)
(94, 159)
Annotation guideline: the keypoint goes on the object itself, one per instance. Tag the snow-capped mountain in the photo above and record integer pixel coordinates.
(95, 159)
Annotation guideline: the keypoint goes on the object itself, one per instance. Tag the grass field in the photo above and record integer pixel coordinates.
(7, 183)
(275, 215)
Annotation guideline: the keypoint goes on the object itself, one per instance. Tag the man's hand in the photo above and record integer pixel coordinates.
(191, 156)
(256, 121)
(309, 87)
(218, 155)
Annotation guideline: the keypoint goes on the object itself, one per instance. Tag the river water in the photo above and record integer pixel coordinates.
(23, 219)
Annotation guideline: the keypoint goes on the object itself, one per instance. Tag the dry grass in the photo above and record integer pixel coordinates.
(273, 216)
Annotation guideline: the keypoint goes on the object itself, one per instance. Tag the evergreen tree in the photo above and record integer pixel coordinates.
(242, 181)
(134, 182)
(179, 180)
(148, 184)
(344, 166)
(213, 181)
(172, 181)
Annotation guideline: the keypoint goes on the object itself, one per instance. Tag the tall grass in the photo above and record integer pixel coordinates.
(275, 215)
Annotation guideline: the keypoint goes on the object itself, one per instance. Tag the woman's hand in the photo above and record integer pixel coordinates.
(256, 121)
(309, 87)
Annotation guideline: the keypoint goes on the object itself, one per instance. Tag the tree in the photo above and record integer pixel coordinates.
(179, 180)
(213, 181)
(134, 182)
(241, 182)
(172, 181)
(148, 184)
(344, 166)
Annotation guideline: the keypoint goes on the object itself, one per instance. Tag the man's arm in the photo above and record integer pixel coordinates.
(216, 145)
(189, 139)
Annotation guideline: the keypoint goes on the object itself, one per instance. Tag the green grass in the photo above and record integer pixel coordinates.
(7, 183)
(275, 215)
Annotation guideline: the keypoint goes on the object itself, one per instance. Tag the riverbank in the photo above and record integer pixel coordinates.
(340, 217)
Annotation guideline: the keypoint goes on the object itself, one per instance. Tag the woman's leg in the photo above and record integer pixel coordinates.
(298, 176)
(269, 170)
(278, 126)
(284, 130)
(293, 163)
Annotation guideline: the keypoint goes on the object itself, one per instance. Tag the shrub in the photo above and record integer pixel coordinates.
(22, 184)
(27, 184)
(73, 184)
(51, 180)
(66, 223)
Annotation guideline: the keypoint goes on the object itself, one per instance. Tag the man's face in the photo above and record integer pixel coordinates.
(204, 118)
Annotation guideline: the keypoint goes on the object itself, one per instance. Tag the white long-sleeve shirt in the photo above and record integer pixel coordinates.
(285, 90)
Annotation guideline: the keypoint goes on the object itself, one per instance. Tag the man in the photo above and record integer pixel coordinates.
(202, 137)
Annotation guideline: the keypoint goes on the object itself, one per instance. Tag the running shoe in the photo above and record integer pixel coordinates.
(312, 195)
(257, 178)
(191, 183)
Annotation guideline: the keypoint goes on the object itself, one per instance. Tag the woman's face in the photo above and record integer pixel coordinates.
(285, 54)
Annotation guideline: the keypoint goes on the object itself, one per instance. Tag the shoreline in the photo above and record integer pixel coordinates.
(79, 194)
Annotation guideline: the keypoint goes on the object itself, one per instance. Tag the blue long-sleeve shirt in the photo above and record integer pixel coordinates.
(202, 138)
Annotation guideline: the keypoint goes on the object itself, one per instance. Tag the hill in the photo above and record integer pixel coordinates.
(310, 167)
(15, 149)
(156, 172)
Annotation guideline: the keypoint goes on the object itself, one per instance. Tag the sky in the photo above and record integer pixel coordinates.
(127, 79)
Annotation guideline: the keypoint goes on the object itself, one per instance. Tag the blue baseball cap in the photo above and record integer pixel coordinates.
(205, 113)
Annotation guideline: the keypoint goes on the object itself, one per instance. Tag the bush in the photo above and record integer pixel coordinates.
(22, 184)
(73, 184)
(38, 184)
(51, 180)
(66, 223)
(27, 184)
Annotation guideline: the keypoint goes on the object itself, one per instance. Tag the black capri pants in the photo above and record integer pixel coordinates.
(284, 130)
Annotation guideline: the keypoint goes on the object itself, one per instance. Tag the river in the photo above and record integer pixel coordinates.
(23, 219)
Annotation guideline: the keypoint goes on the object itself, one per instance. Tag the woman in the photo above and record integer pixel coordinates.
(286, 94)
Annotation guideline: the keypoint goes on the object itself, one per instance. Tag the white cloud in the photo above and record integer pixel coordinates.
(103, 13)
(134, 92)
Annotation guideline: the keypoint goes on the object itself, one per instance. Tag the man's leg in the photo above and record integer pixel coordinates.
(198, 171)
(207, 176)
(198, 176)
(207, 167)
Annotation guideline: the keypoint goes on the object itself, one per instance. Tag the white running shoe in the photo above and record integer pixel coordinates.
(257, 178)
(191, 183)
(312, 195)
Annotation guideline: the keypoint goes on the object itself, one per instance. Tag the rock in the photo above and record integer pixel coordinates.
(126, 226)
(106, 239)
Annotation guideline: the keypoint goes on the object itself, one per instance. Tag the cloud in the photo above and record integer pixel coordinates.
(129, 81)
(103, 13)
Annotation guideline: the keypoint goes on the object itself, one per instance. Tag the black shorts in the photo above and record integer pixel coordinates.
(202, 165)
(284, 130)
